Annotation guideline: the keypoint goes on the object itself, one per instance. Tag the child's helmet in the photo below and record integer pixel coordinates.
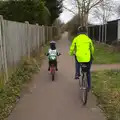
(53, 45)
(52, 42)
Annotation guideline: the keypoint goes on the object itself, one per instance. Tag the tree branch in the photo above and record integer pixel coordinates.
(88, 6)
(69, 10)
(96, 4)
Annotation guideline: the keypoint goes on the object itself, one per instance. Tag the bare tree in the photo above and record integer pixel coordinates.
(84, 7)
(105, 11)
(118, 10)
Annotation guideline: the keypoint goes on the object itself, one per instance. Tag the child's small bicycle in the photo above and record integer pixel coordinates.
(53, 68)
(52, 71)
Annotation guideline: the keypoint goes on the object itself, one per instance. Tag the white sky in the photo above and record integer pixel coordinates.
(67, 15)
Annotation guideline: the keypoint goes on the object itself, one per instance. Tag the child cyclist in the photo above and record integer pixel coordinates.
(52, 55)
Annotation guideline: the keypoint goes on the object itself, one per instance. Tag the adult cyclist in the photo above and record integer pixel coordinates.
(83, 49)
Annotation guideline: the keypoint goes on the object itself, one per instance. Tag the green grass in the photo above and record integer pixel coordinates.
(10, 92)
(105, 54)
(1, 79)
(106, 86)
(38, 56)
(3, 76)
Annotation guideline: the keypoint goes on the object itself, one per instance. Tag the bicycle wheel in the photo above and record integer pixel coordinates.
(80, 83)
(52, 70)
(84, 89)
(53, 77)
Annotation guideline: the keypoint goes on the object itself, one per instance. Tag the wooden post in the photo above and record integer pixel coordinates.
(43, 33)
(1, 48)
(43, 40)
(3, 41)
(28, 38)
(47, 33)
(38, 37)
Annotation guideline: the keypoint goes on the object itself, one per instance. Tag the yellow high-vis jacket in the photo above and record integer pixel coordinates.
(83, 47)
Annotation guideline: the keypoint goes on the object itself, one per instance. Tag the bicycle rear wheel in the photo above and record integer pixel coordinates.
(52, 69)
(84, 90)
(53, 77)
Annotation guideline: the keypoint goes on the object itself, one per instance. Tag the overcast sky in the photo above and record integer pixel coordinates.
(67, 15)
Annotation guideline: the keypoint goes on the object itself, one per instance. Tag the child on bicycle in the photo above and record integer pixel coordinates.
(52, 55)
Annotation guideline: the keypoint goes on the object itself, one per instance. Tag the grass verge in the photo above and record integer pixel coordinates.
(11, 91)
(105, 54)
(106, 86)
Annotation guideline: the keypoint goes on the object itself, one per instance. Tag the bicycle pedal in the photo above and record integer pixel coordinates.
(82, 88)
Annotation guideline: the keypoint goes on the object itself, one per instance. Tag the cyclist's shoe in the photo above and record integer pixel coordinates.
(88, 89)
(48, 69)
(76, 77)
(79, 75)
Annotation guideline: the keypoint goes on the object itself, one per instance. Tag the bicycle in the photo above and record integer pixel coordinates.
(53, 67)
(52, 71)
(83, 83)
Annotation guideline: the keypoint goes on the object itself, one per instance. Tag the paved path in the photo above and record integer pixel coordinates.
(58, 100)
(102, 67)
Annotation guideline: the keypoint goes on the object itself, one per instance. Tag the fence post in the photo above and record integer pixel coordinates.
(105, 32)
(102, 33)
(43, 29)
(51, 33)
(1, 47)
(93, 33)
(87, 31)
(99, 33)
(47, 33)
(3, 41)
(41, 35)
(38, 37)
(27, 38)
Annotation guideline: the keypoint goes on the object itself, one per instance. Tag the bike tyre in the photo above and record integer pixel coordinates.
(53, 77)
(84, 90)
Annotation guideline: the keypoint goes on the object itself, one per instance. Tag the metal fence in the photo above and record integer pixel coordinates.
(107, 33)
(21, 39)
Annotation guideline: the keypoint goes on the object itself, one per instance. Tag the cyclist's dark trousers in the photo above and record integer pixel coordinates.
(53, 62)
(77, 65)
(89, 74)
